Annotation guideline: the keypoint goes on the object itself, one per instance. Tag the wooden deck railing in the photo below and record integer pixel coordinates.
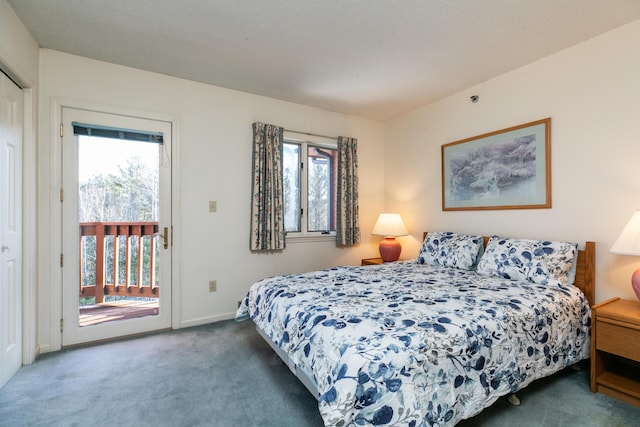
(140, 243)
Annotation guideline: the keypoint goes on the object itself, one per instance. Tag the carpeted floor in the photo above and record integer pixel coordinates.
(224, 374)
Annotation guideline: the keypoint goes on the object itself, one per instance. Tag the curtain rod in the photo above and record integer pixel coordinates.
(310, 133)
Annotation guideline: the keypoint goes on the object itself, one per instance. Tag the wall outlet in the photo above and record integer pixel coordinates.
(213, 285)
(213, 206)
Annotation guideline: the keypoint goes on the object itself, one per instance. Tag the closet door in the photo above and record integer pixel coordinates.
(11, 104)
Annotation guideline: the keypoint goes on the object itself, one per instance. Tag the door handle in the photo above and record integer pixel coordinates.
(165, 237)
(5, 248)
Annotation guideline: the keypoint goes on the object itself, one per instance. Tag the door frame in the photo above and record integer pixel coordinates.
(29, 229)
(55, 209)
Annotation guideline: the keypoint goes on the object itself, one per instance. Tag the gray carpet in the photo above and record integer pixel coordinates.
(224, 374)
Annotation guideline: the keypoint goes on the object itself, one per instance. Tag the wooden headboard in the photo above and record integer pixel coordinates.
(585, 269)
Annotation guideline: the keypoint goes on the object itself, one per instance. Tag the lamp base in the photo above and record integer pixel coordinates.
(635, 282)
(390, 249)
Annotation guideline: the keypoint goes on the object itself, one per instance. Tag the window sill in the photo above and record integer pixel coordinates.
(304, 238)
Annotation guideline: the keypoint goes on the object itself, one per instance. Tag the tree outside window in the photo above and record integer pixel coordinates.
(310, 199)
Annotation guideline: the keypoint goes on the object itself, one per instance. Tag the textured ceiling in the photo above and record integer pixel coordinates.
(371, 58)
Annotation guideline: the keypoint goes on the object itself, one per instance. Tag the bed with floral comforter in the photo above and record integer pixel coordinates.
(418, 344)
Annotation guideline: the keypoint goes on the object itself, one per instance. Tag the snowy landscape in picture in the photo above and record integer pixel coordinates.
(493, 171)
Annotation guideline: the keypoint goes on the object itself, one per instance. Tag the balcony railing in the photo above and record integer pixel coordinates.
(118, 258)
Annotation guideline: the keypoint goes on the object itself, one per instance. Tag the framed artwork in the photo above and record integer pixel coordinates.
(505, 169)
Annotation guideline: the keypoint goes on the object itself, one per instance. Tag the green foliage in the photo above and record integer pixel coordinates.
(87, 301)
(129, 196)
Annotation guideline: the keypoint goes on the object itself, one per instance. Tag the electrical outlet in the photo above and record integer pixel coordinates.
(213, 206)
(213, 285)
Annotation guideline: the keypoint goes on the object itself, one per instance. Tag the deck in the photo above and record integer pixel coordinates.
(118, 310)
(118, 259)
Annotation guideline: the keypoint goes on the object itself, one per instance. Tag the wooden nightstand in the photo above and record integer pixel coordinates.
(372, 261)
(615, 349)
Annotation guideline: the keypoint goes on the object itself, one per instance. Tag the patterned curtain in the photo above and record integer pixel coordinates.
(347, 224)
(267, 204)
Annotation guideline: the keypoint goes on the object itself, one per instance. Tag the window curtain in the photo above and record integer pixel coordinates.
(347, 224)
(267, 206)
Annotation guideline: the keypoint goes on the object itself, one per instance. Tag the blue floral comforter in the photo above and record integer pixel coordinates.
(416, 345)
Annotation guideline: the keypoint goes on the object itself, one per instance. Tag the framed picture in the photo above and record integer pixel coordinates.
(505, 169)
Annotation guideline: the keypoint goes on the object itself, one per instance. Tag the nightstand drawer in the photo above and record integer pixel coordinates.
(616, 338)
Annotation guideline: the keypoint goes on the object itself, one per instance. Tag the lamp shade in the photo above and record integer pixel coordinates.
(628, 242)
(390, 225)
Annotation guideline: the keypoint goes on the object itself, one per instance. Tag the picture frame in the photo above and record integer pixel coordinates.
(506, 169)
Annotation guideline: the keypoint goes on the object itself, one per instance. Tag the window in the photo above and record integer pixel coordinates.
(310, 182)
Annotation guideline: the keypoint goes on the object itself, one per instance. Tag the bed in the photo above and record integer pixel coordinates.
(430, 341)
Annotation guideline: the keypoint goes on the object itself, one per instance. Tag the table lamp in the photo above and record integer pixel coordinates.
(628, 243)
(390, 225)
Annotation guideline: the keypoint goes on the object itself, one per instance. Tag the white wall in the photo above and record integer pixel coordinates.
(18, 50)
(215, 143)
(592, 94)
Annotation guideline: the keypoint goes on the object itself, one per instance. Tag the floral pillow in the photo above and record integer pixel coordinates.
(536, 261)
(449, 249)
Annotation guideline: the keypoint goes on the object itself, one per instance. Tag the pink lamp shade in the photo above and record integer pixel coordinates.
(628, 243)
(390, 225)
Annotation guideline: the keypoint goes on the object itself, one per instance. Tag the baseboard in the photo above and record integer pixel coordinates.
(206, 320)
(42, 349)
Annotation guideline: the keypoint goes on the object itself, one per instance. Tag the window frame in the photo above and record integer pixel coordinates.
(304, 234)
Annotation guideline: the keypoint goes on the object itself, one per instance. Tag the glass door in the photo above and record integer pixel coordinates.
(116, 225)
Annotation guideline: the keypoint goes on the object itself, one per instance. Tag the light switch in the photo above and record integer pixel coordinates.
(213, 206)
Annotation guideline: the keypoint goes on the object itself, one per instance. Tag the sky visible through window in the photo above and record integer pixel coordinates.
(102, 156)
